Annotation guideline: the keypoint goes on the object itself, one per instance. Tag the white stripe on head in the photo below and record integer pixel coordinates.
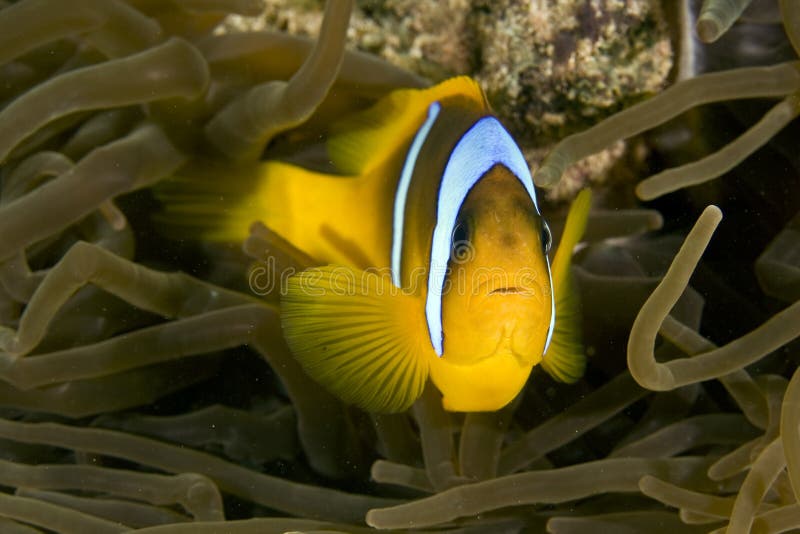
(552, 309)
(401, 194)
(483, 146)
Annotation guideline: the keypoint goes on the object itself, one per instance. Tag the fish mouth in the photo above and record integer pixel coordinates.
(489, 289)
(511, 290)
(507, 283)
(496, 290)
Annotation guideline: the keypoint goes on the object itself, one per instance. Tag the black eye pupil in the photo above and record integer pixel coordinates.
(461, 248)
(547, 237)
(460, 234)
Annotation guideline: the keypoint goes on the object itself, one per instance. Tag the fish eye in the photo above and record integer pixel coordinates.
(460, 232)
(461, 250)
(547, 237)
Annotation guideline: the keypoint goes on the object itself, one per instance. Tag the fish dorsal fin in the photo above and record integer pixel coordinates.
(565, 359)
(358, 336)
(366, 139)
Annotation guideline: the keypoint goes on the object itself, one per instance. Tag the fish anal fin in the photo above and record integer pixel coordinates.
(358, 336)
(274, 258)
(565, 359)
(265, 244)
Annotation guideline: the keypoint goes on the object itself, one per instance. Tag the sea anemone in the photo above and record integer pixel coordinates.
(145, 382)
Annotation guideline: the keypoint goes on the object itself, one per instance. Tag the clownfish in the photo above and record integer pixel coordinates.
(433, 255)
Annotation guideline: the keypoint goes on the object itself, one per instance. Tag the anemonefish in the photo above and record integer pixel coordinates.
(432, 253)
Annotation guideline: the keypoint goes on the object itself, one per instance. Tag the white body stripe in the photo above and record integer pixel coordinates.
(401, 194)
(484, 145)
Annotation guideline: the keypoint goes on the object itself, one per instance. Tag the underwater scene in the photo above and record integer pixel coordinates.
(464, 266)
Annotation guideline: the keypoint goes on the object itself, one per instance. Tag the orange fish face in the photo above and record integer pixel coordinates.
(497, 303)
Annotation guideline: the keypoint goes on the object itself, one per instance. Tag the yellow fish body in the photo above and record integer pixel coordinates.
(434, 253)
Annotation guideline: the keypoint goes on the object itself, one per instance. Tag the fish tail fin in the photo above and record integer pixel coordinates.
(210, 203)
(565, 359)
(357, 335)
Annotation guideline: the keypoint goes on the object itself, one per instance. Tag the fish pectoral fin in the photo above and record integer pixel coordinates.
(357, 335)
(565, 359)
